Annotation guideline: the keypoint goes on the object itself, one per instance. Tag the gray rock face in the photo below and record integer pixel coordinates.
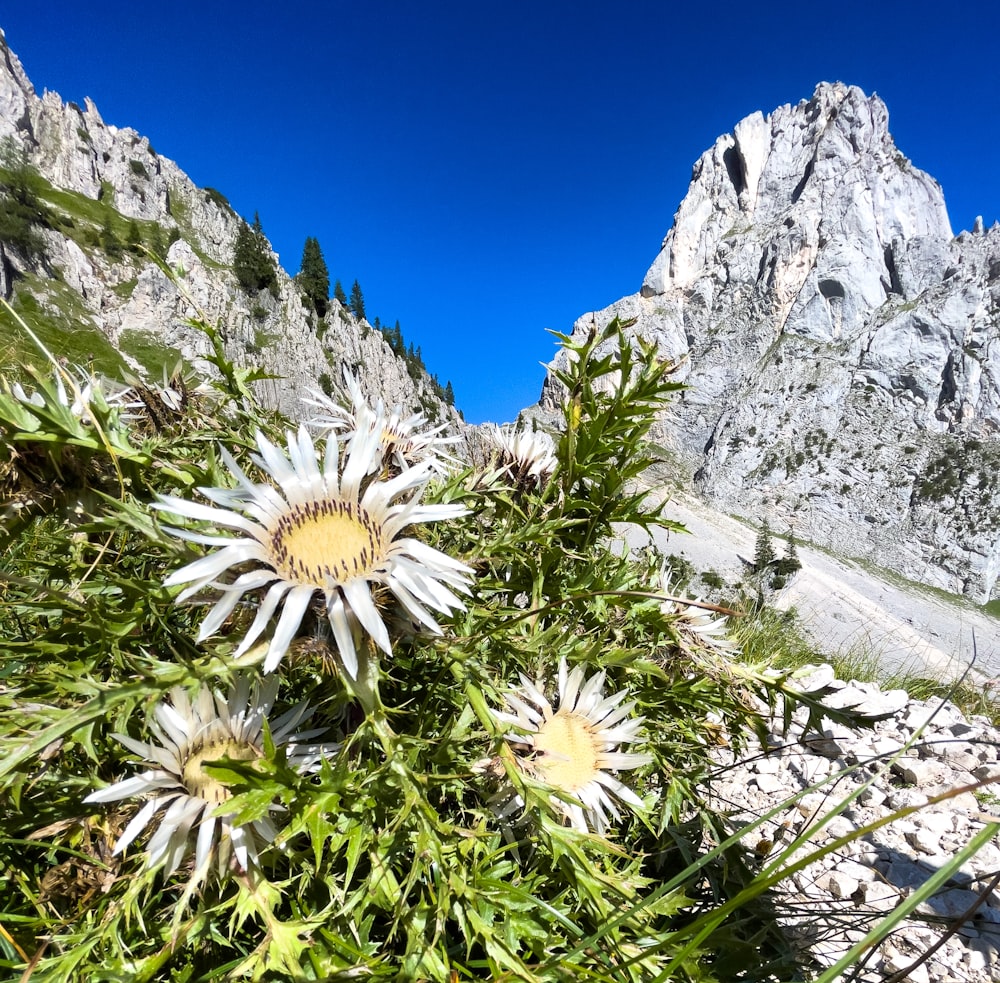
(840, 344)
(126, 296)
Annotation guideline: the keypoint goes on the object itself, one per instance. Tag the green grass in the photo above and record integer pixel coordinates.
(149, 351)
(264, 339)
(82, 219)
(62, 324)
(125, 288)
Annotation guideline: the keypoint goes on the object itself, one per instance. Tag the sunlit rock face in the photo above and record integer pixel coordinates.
(128, 297)
(840, 344)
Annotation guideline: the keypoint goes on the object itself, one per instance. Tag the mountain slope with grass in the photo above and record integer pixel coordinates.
(107, 249)
(838, 342)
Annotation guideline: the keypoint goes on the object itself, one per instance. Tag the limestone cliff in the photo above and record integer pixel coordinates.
(841, 346)
(97, 181)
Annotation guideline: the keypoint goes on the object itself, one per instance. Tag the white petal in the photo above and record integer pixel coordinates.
(125, 789)
(622, 791)
(206, 838)
(624, 760)
(275, 463)
(567, 696)
(139, 821)
(177, 727)
(342, 634)
(296, 604)
(212, 564)
(359, 597)
(207, 513)
(170, 839)
(590, 694)
(267, 608)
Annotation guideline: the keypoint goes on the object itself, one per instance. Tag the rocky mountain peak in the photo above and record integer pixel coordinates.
(16, 91)
(840, 344)
(822, 188)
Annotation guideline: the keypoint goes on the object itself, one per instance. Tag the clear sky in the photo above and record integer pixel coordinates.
(487, 169)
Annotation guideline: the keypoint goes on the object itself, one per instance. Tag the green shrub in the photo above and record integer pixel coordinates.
(426, 825)
(22, 212)
(218, 198)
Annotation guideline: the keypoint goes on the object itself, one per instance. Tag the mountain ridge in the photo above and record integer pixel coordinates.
(102, 186)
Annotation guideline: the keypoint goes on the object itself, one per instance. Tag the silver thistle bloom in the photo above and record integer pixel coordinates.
(573, 747)
(406, 440)
(188, 733)
(526, 457)
(325, 531)
(76, 390)
(695, 624)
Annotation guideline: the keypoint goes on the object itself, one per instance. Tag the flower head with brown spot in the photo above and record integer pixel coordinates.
(526, 457)
(572, 748)
(188, 734)
(331, 530)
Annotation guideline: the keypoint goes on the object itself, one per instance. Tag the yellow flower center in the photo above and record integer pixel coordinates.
(205, 786)
(391, 436)
(567, 751)
(326, 542)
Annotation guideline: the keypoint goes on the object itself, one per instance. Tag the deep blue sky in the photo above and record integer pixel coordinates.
(487, 169)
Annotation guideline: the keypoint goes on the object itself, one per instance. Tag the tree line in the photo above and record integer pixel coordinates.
(255, 269)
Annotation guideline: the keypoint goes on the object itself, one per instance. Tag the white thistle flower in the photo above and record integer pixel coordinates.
(188, 733)
(573, 748)
(406, 440)
(705, 627)
(76, 391)
(527, 457)
(325, 531)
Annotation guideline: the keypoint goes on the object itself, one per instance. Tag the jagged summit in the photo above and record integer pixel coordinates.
(839, 342)
(825, 173)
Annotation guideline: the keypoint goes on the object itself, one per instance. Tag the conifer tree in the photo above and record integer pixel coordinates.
(156, 241)
(338, 293)
(252, 260)
(243, 257)
(314, 278)
(764, 555)
(21, 211)
(109, 240)
(790, 562)
(449, 394)
(357, 301)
